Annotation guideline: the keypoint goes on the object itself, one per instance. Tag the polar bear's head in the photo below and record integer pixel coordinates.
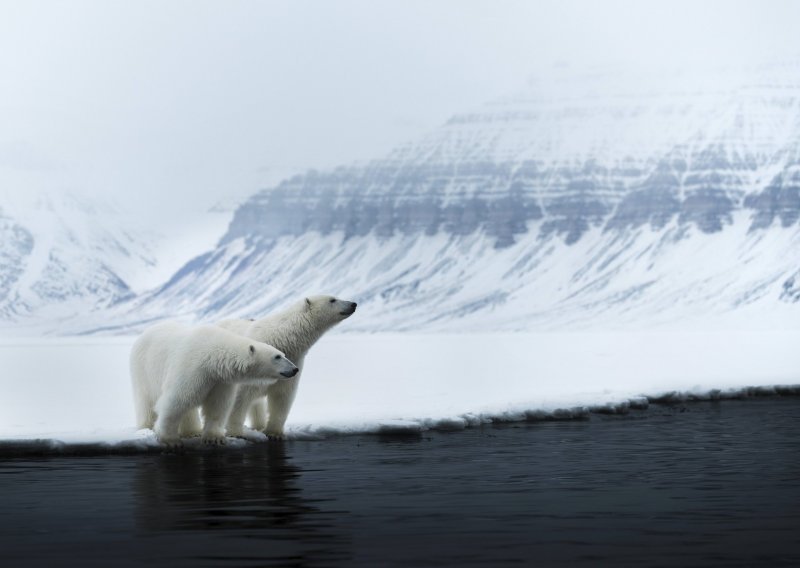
(329, 310)
(266, 362)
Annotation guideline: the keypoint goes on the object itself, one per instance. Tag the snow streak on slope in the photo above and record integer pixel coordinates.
(668, 276)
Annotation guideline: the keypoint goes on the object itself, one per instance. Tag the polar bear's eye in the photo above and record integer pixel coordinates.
(332, 300)
(277, 357)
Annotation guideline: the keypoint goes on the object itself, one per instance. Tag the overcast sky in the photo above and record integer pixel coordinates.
(186, 103)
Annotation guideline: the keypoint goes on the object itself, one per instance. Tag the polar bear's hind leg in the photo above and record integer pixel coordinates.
(171, 409)
(145, 411)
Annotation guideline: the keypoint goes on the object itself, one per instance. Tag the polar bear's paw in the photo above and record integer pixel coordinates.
(214, 439)
(171, 443)
(235, 432)
(248, 434)
(274, 436)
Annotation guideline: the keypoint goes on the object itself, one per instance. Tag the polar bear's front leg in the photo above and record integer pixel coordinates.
(190, 424)
(181, 394)
(280, 397)
(238, 413)
(216, 410)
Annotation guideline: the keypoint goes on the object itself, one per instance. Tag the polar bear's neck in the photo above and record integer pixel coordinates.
(226, 364)
(293, 331)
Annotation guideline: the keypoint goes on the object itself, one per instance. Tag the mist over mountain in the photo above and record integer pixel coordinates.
(595, 199)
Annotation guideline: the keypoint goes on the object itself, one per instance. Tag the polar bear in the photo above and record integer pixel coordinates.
(175, 368)
(293, 331)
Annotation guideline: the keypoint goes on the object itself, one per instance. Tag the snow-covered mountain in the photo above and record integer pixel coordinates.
(606, 199)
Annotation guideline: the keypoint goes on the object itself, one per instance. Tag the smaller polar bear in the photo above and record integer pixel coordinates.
(294, 331)
(175, 368)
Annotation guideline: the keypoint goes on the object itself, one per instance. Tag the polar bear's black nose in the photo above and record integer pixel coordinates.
(290, 374)
(350, 310)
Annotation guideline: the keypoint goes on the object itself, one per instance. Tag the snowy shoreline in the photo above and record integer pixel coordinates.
(144, 441)
(64, 394)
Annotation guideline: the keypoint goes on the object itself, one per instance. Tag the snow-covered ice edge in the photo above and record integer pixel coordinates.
(144, 441)
(73, 395)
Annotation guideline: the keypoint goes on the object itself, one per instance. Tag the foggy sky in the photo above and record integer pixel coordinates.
(187, 103)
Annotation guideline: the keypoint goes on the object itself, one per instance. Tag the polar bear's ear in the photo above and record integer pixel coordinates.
(308, 303)
(252, 350)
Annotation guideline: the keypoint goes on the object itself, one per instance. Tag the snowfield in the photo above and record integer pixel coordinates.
(65, 391)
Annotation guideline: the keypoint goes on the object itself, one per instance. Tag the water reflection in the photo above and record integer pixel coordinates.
(254, 494)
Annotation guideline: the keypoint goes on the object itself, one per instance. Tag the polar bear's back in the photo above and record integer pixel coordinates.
(173, 344)
(189, 350)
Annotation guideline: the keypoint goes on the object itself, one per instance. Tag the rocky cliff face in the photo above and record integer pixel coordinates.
(576, 161)
(779, 200)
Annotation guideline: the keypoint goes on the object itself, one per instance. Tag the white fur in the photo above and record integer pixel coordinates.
(293, 331)
(176, 368)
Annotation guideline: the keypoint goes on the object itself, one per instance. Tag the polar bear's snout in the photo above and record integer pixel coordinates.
(291, 373)
(290, 369)
(349, 310)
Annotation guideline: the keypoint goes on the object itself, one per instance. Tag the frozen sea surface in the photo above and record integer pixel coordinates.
(65, 391)
(680, 484)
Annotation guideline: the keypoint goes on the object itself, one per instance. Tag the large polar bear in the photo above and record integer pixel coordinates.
(175, 368)
(293, 331)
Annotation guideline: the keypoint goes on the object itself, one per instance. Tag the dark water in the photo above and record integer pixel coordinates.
(688, 485)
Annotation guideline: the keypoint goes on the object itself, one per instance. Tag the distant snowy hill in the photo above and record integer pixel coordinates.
(60, 252)
(599, 200)
(63, 258)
